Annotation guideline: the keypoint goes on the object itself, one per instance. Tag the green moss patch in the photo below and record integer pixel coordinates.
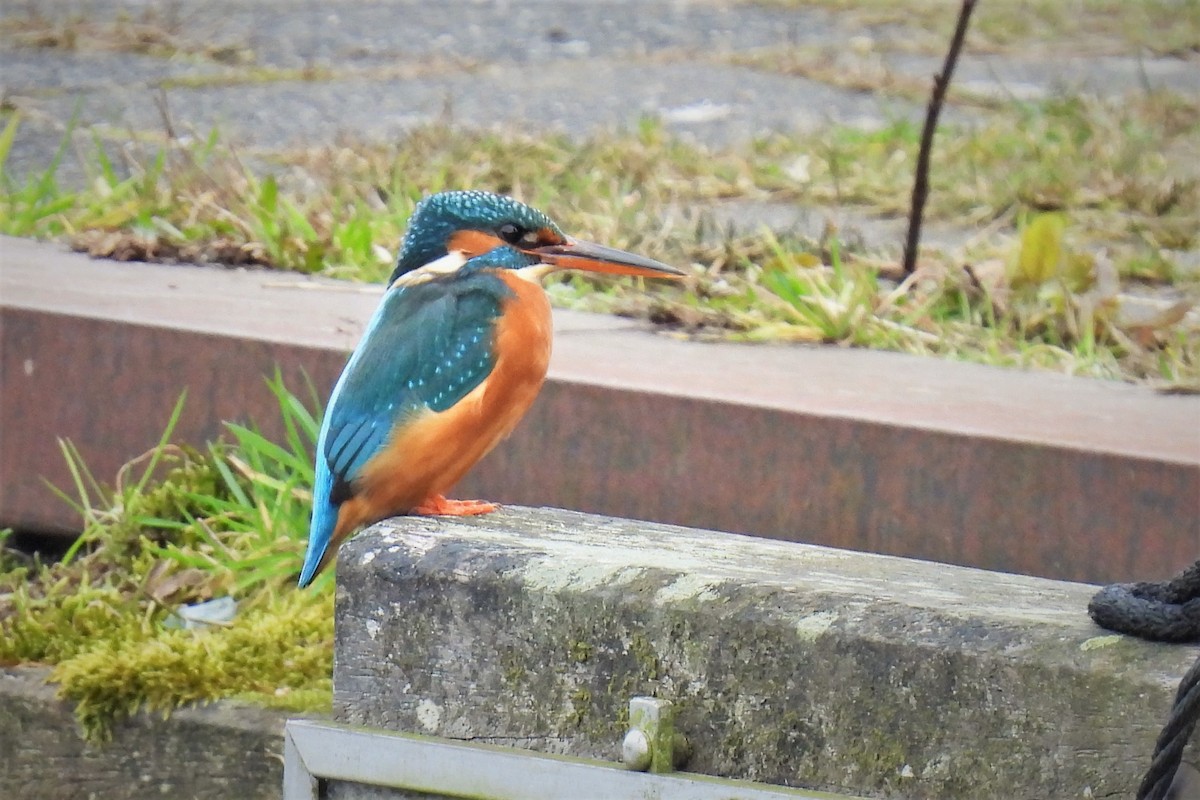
(181, 527)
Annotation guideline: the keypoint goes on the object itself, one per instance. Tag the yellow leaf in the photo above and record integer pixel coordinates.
(1041, 249)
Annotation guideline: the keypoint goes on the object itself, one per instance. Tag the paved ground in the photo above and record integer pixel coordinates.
(386, 65)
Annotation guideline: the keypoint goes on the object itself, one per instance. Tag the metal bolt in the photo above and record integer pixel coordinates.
(652, 742)
(635, 750)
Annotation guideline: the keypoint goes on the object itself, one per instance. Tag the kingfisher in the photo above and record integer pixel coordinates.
(449, 364)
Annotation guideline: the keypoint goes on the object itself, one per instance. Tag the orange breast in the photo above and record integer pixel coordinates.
(433, 452)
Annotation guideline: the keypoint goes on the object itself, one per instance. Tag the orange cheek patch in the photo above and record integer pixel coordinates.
(472, 243)
(547, 237)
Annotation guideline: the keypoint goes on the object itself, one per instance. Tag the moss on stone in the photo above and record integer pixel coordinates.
(642, 649)
(514, 671)
(581, 705)
(225, 521)
(278, 654)
(580, 651)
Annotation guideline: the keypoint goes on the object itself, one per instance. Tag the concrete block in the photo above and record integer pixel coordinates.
(791, 664)
(221, 750)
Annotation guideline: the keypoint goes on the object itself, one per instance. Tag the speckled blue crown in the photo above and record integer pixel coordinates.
(438, 216)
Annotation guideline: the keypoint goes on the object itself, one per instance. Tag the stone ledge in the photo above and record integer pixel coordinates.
(1000, 469)
(213, 752)
(792, 664)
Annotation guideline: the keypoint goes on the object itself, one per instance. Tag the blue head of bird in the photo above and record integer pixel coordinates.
(449, 229)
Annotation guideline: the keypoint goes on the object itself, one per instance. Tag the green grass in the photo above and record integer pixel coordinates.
(181, 526)
(1117, 170)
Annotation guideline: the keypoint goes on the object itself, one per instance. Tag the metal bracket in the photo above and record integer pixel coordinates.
(318, 752)
(652, 743)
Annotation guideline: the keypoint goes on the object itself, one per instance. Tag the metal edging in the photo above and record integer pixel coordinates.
(442, 767)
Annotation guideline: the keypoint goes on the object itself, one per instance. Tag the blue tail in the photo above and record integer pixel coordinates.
(324, 520)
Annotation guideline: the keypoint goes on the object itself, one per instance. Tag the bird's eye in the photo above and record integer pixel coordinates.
(511, 233)
(516, 235)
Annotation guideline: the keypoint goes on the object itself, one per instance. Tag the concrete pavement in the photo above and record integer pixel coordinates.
(380, 67)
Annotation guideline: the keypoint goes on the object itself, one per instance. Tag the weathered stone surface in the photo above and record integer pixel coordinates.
(218, 751)
(791, 664)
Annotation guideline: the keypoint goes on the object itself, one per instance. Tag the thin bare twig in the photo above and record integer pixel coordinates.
(921, 181)
(164, 111)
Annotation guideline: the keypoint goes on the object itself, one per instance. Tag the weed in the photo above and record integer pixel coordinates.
(182, 526)
(1113, 168)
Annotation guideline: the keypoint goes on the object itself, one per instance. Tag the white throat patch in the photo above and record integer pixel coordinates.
(534, 273)
(448, 264)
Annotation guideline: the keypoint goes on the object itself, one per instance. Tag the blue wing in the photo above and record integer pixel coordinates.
(427, 347)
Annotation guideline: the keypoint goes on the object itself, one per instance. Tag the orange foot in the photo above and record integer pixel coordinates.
(440, 506)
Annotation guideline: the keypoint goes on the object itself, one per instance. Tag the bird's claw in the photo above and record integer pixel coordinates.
(441, 506)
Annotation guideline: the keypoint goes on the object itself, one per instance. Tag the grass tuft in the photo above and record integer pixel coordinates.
(1115, 172)
(181, 526)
